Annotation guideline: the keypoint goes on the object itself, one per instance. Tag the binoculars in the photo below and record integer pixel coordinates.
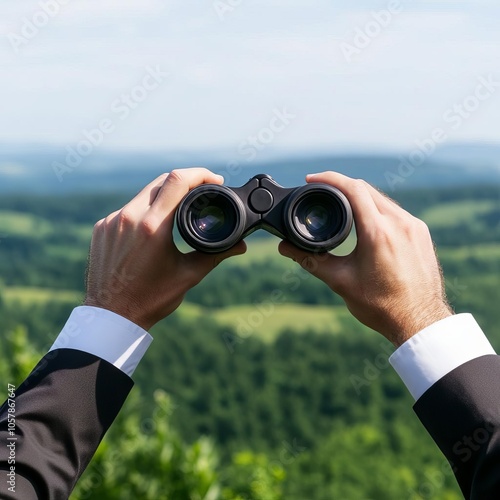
(213, 218)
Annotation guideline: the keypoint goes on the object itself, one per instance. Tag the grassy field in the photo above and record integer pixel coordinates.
(32, 295)
(30, 226)
(452, 214)
(265, 248)
(481, 252)
(21, 224)
(266, 321)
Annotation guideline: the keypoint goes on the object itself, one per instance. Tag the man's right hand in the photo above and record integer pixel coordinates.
(392, 281)
(135, 269)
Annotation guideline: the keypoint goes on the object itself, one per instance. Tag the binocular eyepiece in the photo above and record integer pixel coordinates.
(213, 218)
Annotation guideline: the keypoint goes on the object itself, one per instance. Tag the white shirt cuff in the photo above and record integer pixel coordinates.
(106, 335)
(437, 350)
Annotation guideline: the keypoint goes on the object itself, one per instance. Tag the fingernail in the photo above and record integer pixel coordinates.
(221, 177)
(311, 176)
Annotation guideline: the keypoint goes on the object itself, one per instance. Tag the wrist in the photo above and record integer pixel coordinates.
(419, 321)
(126, 312)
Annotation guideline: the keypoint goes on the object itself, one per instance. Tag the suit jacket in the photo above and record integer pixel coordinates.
(462, 414)
(66, 405)
(62, 411)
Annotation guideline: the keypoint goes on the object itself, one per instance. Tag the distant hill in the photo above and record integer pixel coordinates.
(31, 168)
(477, 155)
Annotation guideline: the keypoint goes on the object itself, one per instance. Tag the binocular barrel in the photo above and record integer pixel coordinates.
(213, 218)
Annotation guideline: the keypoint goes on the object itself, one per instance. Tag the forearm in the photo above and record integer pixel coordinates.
(62, 411)
(451, 370)
(462, 414)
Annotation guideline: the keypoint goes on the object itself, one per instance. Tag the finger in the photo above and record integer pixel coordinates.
(146, 196)
(359, 197)
(140, 203)
(327, 267)
(177, 184)
(200, 264)
(384, 203)
(364, 208)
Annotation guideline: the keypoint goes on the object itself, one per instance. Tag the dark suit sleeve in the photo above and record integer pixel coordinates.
(462, 414)
(63, 409)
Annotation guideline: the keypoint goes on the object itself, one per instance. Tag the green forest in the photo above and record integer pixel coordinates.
(261, 386)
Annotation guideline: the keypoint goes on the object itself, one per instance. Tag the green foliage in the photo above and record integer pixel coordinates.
(360, 461)
(258, 394)
(149, 457)
(260, 413)
(253, 477)
(19, 356)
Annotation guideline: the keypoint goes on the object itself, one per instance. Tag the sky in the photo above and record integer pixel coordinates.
(282, 75)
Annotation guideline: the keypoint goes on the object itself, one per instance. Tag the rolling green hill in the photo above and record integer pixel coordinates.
(260, 353)
(58, 244)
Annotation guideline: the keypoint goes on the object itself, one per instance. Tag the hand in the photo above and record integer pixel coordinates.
(392, 281)
(135, 269)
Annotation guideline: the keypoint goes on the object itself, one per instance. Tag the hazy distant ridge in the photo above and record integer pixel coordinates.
(31, 169)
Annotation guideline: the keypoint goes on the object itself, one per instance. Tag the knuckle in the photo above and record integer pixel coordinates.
(407, 225)
(309, 263)
(421, 225)
(148, 226)
(359, 186)
(176, 176)
(125, 218)
(99, 224)
(413, 225)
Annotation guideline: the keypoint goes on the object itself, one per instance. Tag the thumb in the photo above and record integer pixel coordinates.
(325, 266)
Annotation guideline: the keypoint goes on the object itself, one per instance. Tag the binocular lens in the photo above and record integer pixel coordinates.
(210, 220)
(317, 219)
(318, 216)
(215, 221)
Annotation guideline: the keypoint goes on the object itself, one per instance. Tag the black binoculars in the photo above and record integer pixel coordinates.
(213, 218)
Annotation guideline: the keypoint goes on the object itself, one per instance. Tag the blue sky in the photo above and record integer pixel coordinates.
(233, 64)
